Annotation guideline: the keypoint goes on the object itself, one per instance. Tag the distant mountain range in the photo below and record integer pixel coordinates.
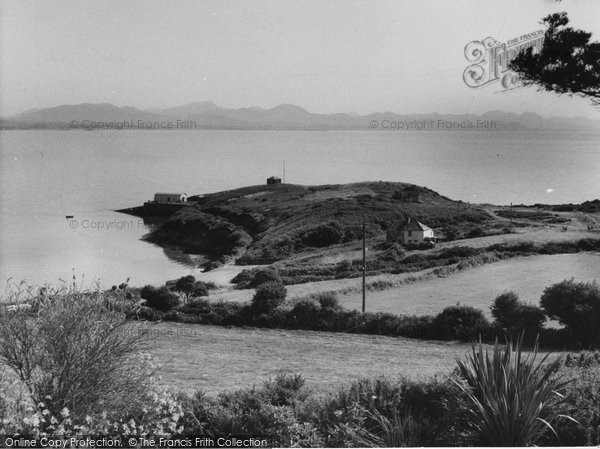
(208, 115)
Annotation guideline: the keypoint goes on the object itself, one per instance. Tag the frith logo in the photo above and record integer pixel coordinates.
(490, 59)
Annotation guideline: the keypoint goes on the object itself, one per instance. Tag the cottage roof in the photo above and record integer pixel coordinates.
(274, 177)
(414, 225)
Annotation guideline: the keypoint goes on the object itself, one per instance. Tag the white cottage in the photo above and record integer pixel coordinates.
(170, 198)
(415, 232)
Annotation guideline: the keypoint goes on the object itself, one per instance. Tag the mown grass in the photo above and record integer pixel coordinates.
(216, 358)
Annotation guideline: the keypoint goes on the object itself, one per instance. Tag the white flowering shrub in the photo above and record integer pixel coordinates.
(160, 415)
(75, 350)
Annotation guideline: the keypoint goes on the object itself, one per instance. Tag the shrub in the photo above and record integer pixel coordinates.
(514, 399)
(268, 297)
(324, 235)
(475, 232)
(250, 412)
(160, 298)
(305, 312)
(329, 301)
(285, 389)
(514, 315)
(382, 412)
(452, 233)
(583, 395)
(459, 322)
(263, 276)
(504, 308)
(200, 289)
(196, 306)
(76, 352)
(577, 306)
(188, 286)
(256, 277)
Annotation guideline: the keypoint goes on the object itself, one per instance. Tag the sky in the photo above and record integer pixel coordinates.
(326, 56)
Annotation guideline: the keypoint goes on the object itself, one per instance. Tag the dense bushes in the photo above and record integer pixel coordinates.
(189, 287)
(74, 350)
(322, 312)
(268, 297)
(577, 306)
(168, 296)
(426, 413)
(459, 322)
(160, 298)
(515, 316)
(253, 278)
(502, 398)
(324, 235)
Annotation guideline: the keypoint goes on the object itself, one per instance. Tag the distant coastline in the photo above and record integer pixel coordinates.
(207, 115)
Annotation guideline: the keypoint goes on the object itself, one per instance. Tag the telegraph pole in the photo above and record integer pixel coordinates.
(284, 171)
(364, 267)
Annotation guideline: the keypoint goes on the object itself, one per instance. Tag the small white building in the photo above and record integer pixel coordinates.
(410, 232)
(415, 232)
(170, 198)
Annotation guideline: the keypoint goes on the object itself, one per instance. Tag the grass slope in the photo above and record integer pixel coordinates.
(215, 358)
(479, 286)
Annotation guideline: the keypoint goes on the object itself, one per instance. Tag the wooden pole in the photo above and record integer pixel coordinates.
(364, 271)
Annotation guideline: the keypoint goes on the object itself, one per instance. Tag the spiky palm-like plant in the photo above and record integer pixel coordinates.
(515, 401)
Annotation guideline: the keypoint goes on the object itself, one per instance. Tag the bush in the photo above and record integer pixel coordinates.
(504, 308)
(329, 301)
(256, 277)
(268, 297)
(188, 286)
(160, 298)
(76, 352)
(382, 412)
(514, 315)
(324, 235)
(262, 276)
(452, 233)
(305, 312)
(475, 232)
(577, 306)
(251, 412)
(285, 389)
(196, 306)
(459, 322)
(514, 399)
(583, 395)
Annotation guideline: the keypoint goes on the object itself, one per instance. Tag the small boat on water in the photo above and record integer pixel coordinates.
(68, 216)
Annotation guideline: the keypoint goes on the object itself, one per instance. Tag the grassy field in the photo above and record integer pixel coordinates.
(528, 276)
(216, 358)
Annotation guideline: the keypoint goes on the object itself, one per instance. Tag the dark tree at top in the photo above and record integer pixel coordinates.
(568, 62)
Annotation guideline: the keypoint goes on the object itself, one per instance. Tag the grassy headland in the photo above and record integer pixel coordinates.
(313, 233)
(264, 224)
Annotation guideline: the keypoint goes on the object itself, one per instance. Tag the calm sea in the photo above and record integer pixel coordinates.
(47, 175)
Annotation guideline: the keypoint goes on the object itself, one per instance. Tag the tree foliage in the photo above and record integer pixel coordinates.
(568, 62)
(577, 306)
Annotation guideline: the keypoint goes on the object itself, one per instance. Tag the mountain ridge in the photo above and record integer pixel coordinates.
(208, 115)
